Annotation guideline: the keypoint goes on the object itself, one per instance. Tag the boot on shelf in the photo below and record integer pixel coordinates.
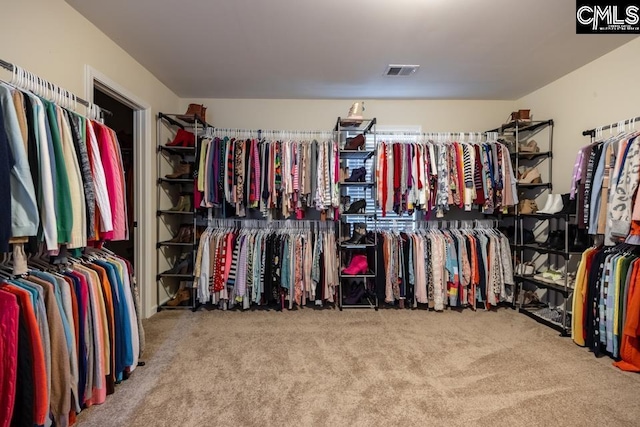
(580, 240)
(356, 293)
(553, 205)
(548, 203)
(556, 240)
(183, 205)
(357, 207)
(530, 176)
(568, 204)
(182, 236)
(183, 170)
(355, 143)
(180, 297)
(355, 115)
(527, 206)
(359, 233)
(194, 110)
(182, 265)
(358, 265)
(357, 175)
(183, 138)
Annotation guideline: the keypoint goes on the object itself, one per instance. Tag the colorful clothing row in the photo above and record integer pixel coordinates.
(67, 338)
(432, 176)
(606, 304)
(605, 181)
(278, 178)
(65, 172)
(455, 268)
(264, 267)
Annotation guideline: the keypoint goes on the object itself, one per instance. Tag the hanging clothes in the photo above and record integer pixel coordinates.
(435, 175)
(280, 178)
(605, 181)
(65, 172)
(605, 304)
(264, 266)
(73, 333)
(445, 267)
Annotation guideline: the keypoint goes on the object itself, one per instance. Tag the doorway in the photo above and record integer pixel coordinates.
(121, 121)
(134, 118)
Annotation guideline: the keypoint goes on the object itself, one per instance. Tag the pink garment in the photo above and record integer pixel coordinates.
(9, 312)
(256, 168)
(197, 195)
(116, 150)
(114, 177)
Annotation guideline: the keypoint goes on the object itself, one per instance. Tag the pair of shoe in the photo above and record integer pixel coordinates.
(355, 143)
(357, 175)
(358, 265)
(182, 171)
(181, 296)
(359, 234)
(530, 176)
(520, 115)
(355, 117)
(356, 292)
(527, 206)
(357, 207)
(530, 298)
(554, 205)
(183, 139)
(183, 205)
(185, 235)
(525, 269)
(530, 147)
(198, 110)
(556, 277)
(555, 240)
(183, 265)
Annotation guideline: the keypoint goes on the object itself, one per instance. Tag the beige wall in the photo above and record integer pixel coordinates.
(306, 114)
(603, 91)
(52, 40)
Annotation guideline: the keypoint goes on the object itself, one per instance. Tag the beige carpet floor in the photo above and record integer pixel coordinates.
(366, 368)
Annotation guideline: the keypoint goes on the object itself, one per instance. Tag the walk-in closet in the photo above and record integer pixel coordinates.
(319, 213)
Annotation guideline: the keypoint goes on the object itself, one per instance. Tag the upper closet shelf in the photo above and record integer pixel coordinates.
(357, 154)
(521, 126)
(178, 151)
(532, 156)
(183, 120)
(353, 125)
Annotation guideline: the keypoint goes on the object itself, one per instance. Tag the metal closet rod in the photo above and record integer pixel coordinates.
(592, 132)
(9, 66)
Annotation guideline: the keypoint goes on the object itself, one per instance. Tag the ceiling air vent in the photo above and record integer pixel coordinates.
(401, 70)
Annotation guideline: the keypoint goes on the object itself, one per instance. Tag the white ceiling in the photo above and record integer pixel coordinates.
(467, 49)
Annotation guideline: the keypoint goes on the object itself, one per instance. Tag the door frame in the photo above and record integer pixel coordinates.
(144, 211)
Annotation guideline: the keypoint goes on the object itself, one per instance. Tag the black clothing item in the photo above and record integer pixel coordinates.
(483, 279)
(406, 290)
(32, 156)
(268, 254)
(25, 393)
(85, 168)
(6, 164)
(592, 309)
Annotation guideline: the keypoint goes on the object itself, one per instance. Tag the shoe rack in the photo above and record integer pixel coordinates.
(177, 147)
(535, 166)
(357, 227)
